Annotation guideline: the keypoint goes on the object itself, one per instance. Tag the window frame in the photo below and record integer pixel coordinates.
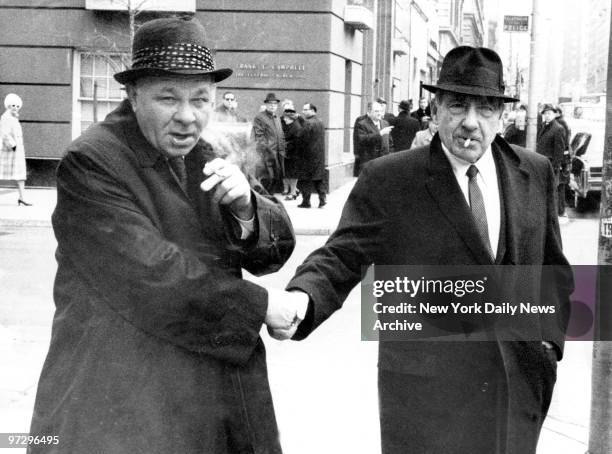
(77, 98)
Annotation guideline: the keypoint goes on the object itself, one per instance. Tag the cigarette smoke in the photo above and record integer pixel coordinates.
(234, 142)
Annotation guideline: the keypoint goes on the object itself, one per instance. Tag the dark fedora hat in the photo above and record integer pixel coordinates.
(550, 107)
(472, 71)
(171, 46)
(270, 97)
(405, 105)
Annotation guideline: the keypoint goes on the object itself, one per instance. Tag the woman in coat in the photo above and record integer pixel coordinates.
(292, 126)
(12, 153)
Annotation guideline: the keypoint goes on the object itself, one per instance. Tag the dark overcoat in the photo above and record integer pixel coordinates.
(155, 344)
(294, 146)
(310, 163)
(404, 129)
(270, 145)
(448, 397)
(368, 143)
(551, 143)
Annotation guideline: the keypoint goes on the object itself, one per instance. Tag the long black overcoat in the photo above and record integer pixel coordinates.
(407, 209)
(155, 345)
(310, 163)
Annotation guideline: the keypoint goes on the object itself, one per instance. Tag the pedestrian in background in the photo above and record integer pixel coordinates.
(424, 137)
(404, 127)
(387, 115)
(551, 143)
(423, 110)
(566, 163)
(516, 133)
(270, 145)
(310, 168)
(12, 154)
(292, 126)
(371, 137)
(227, 111)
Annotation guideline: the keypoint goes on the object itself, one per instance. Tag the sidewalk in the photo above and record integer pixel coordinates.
(312, 221)
(565, 430)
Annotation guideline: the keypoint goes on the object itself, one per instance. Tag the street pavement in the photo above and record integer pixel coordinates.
(324, 387)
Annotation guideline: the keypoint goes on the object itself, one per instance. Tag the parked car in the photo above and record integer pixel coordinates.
(587, 122)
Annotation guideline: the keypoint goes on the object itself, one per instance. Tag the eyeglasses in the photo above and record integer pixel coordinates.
(230, 99)
(291, 111)
(461, 107)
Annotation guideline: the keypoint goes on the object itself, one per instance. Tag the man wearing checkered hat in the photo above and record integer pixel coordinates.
(155, 345)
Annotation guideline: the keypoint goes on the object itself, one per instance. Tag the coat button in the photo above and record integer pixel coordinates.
(484, 387)
(217, 341)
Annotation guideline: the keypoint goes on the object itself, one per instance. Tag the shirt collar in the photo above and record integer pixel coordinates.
(485, 165)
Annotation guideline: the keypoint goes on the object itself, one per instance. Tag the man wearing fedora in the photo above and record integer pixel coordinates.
(155, 345)
(270, 145)
(466, 199)
(404, 127)
(552, 142)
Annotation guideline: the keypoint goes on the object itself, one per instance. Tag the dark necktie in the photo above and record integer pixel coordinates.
(178, 167)
(478, 208)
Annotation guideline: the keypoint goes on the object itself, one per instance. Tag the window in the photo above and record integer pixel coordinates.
(97, 93)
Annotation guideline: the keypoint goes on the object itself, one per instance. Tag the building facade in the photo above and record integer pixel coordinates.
(60, 57)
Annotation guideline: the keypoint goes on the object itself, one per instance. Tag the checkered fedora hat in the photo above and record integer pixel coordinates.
(171, 46)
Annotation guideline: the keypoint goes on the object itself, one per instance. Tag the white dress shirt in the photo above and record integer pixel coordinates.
(489, 187)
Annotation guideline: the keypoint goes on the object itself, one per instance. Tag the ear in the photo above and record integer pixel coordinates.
(131, 91)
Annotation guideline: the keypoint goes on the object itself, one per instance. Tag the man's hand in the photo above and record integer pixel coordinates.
(285, 312)
(230, 187)
(386, 130)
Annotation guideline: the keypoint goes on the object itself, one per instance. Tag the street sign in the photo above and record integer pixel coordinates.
(516, 23)
(606, 227)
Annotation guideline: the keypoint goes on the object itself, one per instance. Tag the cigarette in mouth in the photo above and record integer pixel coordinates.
(466, 143)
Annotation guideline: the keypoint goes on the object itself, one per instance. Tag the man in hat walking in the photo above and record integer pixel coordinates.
(468, 198)
(155, 345)
(270, 143)
(552, 143)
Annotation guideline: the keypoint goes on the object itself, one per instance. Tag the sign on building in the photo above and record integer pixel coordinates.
(516, 23)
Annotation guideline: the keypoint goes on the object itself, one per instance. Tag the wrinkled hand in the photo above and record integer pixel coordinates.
(229, 187)
(386, 130)
(285, 312)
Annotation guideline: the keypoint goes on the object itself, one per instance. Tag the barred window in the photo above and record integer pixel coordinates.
(98, 92)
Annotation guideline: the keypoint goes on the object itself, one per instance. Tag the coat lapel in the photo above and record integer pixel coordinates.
(444, 189)
(514, 178)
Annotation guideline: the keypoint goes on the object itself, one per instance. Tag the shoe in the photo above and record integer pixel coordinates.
(23, 202)
(322, 204)
(302, 205)
(291, 197)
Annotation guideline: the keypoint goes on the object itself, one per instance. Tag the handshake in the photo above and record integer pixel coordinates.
(285, 312)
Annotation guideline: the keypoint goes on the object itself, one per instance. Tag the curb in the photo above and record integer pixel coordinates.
(25, 223)
(40, 223)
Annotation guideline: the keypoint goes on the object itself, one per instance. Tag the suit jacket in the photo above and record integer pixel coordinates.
(368, 143)
(155, 345)
(419, 216)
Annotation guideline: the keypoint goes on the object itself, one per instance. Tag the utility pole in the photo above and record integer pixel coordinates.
(600, 432)
(534, 77)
